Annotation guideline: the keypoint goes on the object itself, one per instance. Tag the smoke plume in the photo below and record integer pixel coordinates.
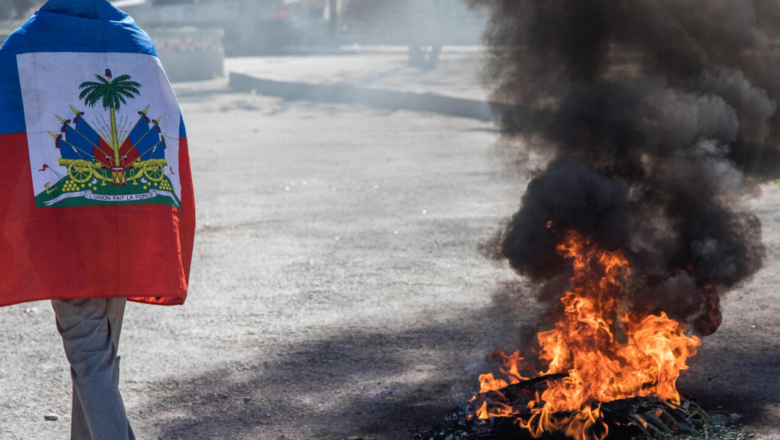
(660, 119)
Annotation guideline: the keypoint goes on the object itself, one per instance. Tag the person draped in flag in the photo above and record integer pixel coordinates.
(96, 206)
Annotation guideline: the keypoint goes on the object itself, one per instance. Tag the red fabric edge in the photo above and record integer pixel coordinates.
(28, 235)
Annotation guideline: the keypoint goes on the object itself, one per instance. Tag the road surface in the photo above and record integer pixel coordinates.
(337, 290)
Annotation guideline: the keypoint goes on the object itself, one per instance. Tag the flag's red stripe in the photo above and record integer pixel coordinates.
(142, 252)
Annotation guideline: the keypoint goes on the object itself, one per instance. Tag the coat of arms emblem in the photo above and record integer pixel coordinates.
(115, 160)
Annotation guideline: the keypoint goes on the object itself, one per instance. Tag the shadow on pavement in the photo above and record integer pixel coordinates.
(355, 385)
(740, 379)
(383, 385)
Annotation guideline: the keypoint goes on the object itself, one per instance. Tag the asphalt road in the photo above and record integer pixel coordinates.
(337, 290)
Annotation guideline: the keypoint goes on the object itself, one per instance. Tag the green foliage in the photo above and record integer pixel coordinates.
(112, 93)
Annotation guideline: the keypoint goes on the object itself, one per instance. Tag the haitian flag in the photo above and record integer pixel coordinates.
(96, 193)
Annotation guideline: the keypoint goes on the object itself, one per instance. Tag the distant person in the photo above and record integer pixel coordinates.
(96, 204)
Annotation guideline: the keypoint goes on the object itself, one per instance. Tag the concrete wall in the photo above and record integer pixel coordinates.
(190, 54)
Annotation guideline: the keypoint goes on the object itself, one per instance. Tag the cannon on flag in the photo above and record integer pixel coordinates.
(142, 152)
(112, 157)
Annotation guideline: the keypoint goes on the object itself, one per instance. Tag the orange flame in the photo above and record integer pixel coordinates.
(607, 351)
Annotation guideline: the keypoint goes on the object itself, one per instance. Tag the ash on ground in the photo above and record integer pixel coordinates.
(459, 426)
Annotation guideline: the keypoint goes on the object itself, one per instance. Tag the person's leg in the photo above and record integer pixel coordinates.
(78, 427)
(78, 421)
(87, 336)
(116, 314)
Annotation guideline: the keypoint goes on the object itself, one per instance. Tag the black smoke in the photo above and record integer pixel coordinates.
(661, 120)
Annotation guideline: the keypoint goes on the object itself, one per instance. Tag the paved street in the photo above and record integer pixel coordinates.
(337, 290)
(335, 276)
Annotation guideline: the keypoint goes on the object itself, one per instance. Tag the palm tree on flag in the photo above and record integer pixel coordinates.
(112, 93)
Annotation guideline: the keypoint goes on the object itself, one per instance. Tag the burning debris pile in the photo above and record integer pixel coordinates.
(600, 351)
(646, 126)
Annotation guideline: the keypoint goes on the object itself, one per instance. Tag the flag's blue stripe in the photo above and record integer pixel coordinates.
(182, 130)
(56, 32)
(53, 32)
(84, 128)
(11, 104)
(144, 136)
(159, 151)
(76, 146)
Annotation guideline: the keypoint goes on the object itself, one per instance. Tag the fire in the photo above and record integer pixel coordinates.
(605, 350)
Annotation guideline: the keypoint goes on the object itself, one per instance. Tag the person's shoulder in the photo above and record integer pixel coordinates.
(18, 39)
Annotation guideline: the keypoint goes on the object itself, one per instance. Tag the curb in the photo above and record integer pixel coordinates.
(377, 98)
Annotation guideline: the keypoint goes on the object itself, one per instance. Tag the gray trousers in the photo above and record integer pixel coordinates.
(90, 335)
